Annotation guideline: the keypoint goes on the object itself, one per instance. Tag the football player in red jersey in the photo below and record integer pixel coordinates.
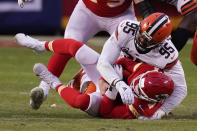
(187, 26)
(141, 42)
(151, 88)
(88, 18)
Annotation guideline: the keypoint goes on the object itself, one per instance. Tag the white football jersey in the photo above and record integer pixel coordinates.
(165, 56)
(161, 57)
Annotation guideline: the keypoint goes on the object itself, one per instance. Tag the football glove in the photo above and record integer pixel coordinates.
(156, 116)
(21, 2)
(118, 69)
(125, 91)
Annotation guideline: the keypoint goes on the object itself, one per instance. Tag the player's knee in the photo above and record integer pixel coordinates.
(74, 47)
(74, 36)
(86, 56)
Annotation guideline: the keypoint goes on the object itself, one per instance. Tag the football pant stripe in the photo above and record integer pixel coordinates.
(51, 46)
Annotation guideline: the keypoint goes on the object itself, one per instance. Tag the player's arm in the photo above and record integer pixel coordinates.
(175, 71)
(21, 2)
(109, 55)
(144, 7)
(179, 93)
(107, 58)
(109, 109)
(180, 88)
(127, 64)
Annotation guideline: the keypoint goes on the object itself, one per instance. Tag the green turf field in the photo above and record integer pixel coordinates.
(17, 79)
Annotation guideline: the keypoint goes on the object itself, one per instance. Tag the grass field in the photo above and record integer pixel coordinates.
(17, 79)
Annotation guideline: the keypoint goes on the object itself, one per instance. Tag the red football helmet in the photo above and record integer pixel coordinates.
(152, 31)
(153, 86)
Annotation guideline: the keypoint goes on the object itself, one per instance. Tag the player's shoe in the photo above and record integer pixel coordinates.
(27, 41)
(43, 73)
(37, 97)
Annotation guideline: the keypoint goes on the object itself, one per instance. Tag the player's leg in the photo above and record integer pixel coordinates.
(112, 23)
(56, 66)
(185, 30)
(83, 54)
(193, 55)
(82, 24)
(188, 8)
(89, 103)
(69, 47)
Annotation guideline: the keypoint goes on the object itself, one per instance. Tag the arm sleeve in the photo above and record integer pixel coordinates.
(111, 52)
(180, 88)
(109, 55)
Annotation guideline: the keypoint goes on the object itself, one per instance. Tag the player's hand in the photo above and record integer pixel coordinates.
(118, 69)
(21, 2)
(103, 86)
(125, 92)
(156, 116)
(143, 118)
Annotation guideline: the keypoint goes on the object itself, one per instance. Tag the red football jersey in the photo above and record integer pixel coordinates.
(107, 8)
(131, 70)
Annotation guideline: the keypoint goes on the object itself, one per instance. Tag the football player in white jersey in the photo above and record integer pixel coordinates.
(187, 26)
(148, 42)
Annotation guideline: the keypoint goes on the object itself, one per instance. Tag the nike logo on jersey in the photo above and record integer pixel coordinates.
(122, 25)
(116, 33)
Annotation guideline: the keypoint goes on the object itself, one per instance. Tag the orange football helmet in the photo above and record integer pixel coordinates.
(152, 31)
(152, 86)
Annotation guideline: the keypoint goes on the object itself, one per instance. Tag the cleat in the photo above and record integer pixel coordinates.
(29, 42)
(36, 98)
(43, 73)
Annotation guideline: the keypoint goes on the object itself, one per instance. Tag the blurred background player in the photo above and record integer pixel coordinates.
(148, 42)
(150, 86)
(187, 26)
(88, 18)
